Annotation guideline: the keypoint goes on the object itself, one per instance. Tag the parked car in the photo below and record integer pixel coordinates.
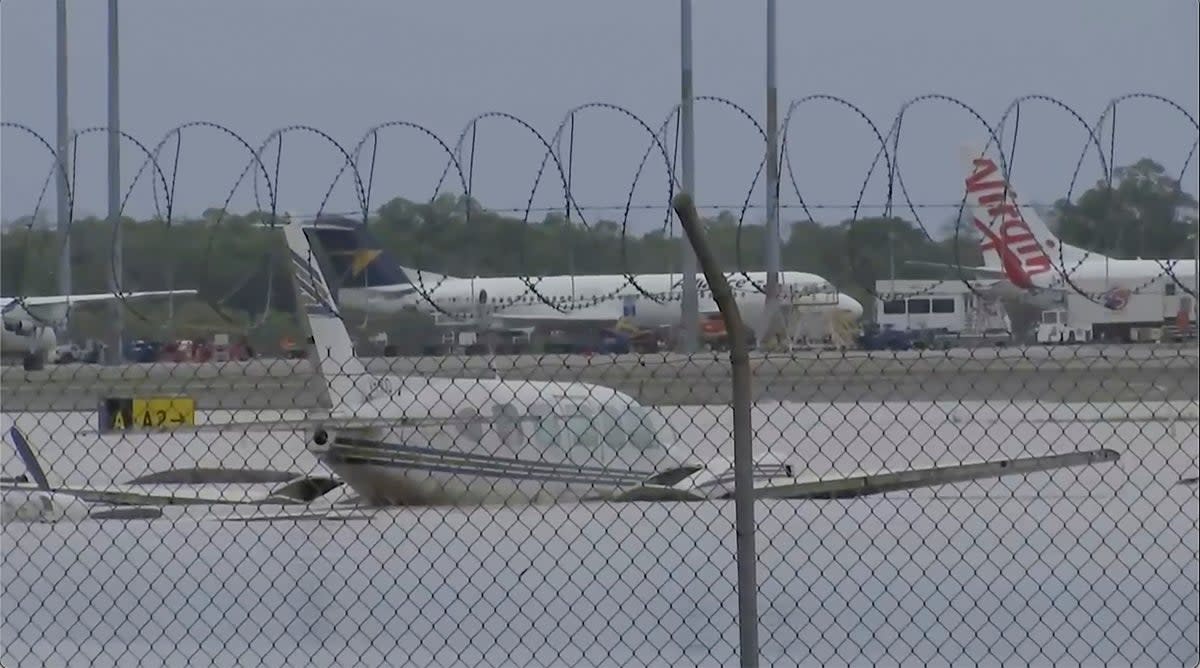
(874, 337)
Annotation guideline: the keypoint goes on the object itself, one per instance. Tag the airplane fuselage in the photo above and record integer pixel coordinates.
(1115, 282)
(1098, 280)
(491, 441)
(646, 300)
(1099, 268)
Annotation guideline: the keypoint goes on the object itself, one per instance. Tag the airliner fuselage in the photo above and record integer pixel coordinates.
(646, 300)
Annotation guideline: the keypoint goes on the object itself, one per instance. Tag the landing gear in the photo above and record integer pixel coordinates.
(34, 361)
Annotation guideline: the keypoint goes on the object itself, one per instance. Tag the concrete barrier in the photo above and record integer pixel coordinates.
(1053, 358)
(1127, 373)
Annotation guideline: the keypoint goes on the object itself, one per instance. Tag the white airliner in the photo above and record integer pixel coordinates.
(420, 440)
(1031, 262)
(29, 322)
(369, 279)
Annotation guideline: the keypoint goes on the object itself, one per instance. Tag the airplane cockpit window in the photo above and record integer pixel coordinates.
(646, 429)
(572, 425)
(583, 430)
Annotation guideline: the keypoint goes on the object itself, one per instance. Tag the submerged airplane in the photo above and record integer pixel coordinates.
(1031, 263)
(419, 440)
(369, 279)
(29, 322)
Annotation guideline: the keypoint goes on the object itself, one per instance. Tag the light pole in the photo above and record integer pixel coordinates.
(64, 205)
(117, 274)
(690, 301)
(772, 249)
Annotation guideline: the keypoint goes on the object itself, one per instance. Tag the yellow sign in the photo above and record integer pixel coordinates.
(164, 412)
(120, 414)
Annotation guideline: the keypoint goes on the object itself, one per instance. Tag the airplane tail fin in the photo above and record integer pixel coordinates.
(25, 452)
(1013, 237)
(357, 259)
(331, 343)
(360, 261)
(990, 189)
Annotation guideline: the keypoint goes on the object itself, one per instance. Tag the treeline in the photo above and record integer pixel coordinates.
(238, 266)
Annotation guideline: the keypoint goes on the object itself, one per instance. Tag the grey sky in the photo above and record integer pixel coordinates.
(343, 67)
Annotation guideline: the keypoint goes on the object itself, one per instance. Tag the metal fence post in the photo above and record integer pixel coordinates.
(743, 455)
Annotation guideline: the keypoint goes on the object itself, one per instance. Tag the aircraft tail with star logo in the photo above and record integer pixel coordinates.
(358, 260)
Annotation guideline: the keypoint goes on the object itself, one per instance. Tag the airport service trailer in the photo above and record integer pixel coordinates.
(1097, 310)
(949, 305)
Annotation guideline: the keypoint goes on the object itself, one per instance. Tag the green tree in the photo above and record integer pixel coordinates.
(1139, 216)
(238, 267)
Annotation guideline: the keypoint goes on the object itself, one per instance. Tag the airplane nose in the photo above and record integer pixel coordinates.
(850, 305)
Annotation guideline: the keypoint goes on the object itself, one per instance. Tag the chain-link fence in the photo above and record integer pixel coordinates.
(543, 487)
(511, 545)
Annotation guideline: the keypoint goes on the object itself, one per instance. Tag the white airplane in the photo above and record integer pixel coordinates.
(143, 498)
(454, 441)
(369, 279)
(1032, 263)
(29, 322)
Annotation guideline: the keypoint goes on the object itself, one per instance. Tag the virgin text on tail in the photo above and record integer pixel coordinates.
(1005, 231)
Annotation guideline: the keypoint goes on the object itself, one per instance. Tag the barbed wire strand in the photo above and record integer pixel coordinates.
(574, 211)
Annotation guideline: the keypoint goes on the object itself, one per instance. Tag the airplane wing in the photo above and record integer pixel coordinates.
(303, 488)
(1166, 413)
(39, 501)
(719, 484)
(530, 320)
(891, 481)
(988, 272)
(1003, 284)
(54, 300)
(302, 424)
(21, 505)
(585, 316)
(576, 319)
(37, 506)
(253, 514)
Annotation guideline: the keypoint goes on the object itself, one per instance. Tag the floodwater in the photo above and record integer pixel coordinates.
(1075, 567)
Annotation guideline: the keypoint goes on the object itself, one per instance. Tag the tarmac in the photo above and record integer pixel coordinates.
(1051, 374)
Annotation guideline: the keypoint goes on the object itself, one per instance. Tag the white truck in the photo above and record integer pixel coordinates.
(1117, 315)
(1055, 327)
